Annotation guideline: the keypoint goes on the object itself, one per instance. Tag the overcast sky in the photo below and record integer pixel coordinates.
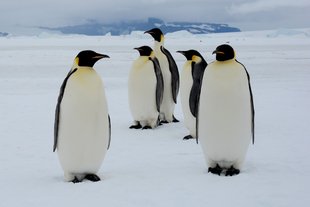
(245, 14)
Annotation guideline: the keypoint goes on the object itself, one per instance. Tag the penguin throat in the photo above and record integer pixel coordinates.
(226, 61)
(158, 45)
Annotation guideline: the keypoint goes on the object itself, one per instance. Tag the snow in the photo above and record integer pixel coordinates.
(154, 167)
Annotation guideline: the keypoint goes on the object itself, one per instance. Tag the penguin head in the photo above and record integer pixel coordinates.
(224, 52)
(144, 50)
(157, 34)
(87, 58)
(192, 55)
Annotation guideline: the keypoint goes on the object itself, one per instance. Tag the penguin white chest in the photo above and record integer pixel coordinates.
(142, 90)
(225, 114)
(186, 84)
(84, 125)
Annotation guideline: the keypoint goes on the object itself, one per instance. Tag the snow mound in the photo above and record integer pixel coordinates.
(289, 33)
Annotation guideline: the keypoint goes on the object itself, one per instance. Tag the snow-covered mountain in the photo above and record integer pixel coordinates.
(3, 34)
(123, 28)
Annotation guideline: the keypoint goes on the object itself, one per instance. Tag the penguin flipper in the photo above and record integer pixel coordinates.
(57, 111)
(253, 113)
(252, 103)
(197, 74)
(109, 131)
(197, 122)
(159, 83)
(196, 108)
(194, 98)
(175, 77)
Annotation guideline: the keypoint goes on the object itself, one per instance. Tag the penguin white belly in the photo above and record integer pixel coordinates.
(84, 125)
(142, 92)
(225, 115)
(167, 106)
(186, 84)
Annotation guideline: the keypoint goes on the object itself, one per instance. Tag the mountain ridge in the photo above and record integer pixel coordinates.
(3, 34)
(93, 28)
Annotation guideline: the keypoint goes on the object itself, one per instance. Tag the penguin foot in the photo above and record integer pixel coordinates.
(76, 180)
(158, 123)
(136, 126)
(175, 120)
(232, 171)
(215, 170)
(163, 122)
(92, 177)
(146, 127)
(188, 137)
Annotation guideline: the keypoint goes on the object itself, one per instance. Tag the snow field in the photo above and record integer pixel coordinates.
(154, 167)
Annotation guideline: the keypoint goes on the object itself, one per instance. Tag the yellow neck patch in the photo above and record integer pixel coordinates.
(152, 55)
(76, 61)
(162, 38)
(196, 58)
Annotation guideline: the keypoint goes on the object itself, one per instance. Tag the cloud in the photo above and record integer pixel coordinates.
(265, 5)
(260, 14)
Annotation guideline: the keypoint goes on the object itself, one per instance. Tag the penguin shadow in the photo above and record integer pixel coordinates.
(249, 168)
(58, 179)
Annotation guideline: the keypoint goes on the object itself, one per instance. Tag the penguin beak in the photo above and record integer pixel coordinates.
(218, 52)
(100, 56)
(148, 32)
(182, 52)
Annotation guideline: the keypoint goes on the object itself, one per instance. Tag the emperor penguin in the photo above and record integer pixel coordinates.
(226, 113)
(145, 89)
(82, 129)
(190, 85)
(171, 77)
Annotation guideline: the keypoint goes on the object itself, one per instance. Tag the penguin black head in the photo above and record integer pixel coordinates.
(224, 52)
(88, 58)
(156, 33)
(144, 50)
(191, 54)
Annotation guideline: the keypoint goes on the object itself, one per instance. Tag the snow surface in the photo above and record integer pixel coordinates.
(155, 167)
